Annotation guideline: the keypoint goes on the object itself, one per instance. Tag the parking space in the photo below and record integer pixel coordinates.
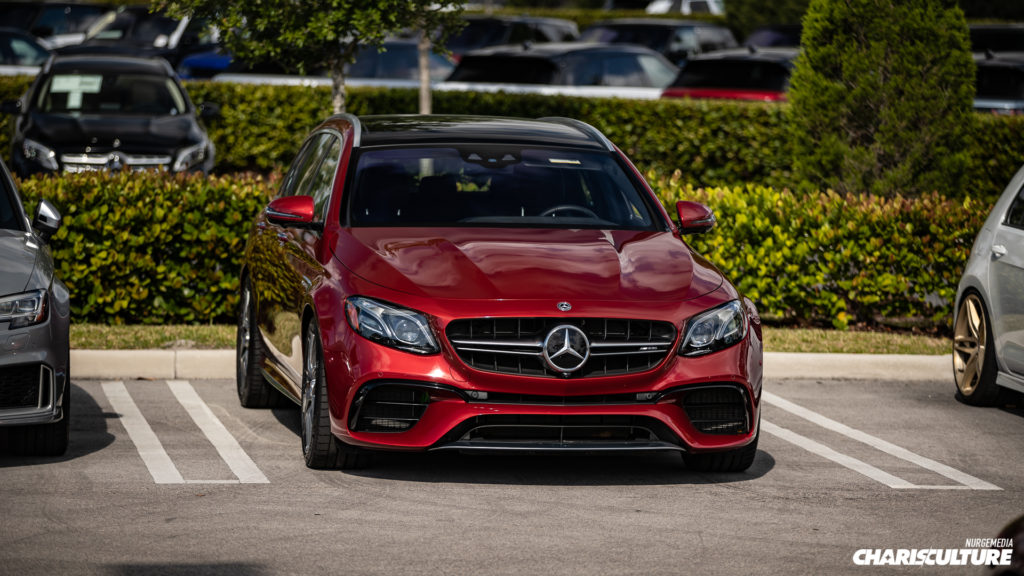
(174, 476)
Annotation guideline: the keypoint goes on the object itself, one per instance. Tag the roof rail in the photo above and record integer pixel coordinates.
(357, 126)
(582, 126)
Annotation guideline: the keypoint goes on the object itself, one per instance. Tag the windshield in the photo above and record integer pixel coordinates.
(495, 186)
(111, 94)
(139, 27)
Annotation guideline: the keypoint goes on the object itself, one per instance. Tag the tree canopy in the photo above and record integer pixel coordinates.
(318, 35)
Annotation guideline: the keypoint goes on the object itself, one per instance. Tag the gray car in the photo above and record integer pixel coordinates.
(988, 336)
(34, 321)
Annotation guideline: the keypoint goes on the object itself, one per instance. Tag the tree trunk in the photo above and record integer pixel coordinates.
(338, 85)
(424, 54)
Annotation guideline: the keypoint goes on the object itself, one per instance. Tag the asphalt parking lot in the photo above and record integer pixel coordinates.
(174, 477)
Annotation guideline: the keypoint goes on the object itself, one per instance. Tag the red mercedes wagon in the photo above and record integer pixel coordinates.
(491, 284)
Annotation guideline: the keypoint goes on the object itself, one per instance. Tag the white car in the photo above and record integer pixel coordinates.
(686, 7)
(988, 336)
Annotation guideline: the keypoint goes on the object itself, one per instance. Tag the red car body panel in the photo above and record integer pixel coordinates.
(724, 94)
(458, 273)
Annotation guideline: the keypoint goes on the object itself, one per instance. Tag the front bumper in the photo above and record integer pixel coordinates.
(450, 407)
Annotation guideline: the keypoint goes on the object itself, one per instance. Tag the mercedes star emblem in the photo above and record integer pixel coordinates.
(566, 349)
(564, 306)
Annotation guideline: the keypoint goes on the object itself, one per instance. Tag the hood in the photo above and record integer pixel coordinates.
(473, 263)
(135, 134)
(19, 256)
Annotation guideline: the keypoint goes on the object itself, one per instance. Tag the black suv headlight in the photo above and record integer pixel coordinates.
(714, 330)
(390, 325)
(23, 309)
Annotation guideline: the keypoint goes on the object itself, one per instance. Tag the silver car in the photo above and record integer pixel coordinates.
(988, 337)
(34, 321)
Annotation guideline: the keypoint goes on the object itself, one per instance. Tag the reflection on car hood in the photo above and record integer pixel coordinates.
(140, 134)
(19, 253)
(528, 263)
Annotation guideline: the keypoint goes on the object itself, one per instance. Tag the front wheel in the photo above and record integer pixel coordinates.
(974, 356)
(320, 448)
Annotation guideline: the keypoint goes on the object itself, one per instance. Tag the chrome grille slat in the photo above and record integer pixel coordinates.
(515, 345)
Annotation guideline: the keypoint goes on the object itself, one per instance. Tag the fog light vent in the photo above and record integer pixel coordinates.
(718, 410)
(390, 408)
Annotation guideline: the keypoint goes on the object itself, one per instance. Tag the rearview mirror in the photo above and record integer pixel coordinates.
(694, 217)
(293, 211)
(47, 220)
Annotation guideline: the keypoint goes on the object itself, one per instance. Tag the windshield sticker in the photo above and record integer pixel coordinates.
(72, 83)
(564, 161)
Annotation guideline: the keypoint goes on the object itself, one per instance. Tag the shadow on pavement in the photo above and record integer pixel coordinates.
(88, 433)
(232, 568)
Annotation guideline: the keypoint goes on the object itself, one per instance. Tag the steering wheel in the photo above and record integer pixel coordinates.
(570, 208)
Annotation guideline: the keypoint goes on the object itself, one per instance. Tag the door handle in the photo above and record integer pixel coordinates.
(998, 250)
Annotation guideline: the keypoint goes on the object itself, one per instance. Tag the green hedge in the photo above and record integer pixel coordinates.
(148, 248)
(711, 143)
(151, 248)
(830, 259)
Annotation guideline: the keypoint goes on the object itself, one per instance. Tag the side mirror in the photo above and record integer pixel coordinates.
(694, 217)
(11, 107)
(209, 110)
(47, 220)
(292, 211)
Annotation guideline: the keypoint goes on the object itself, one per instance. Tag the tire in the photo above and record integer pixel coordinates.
(736, 460)
(974, 354)
(44, 439)
(321, 449)
(253, 389)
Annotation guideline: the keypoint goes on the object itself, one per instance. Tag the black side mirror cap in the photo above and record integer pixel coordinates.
(209, 110)
(47, 220)
(11, 107)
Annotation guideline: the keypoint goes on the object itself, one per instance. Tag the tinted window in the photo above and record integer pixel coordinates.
(21, 52)
(653, 37)
(477, 34)
(997, 39)
(111, 94)
(323, 181)
(517, 70)
(67, 19)
(495, 186)
(623, 71)
(10, 219)
(736, 74)
(1001, 82)
(1015, 215)
(303, 163)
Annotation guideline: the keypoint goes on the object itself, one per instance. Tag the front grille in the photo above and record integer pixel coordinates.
(515, 345)
(717, 410)
(24, 387)
(560, 429)
(389, 408)
(134, 162)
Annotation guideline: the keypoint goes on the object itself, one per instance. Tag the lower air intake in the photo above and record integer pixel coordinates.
(718, 410)
(390, 408)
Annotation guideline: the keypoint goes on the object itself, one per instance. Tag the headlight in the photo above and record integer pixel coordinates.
(190, 157)
(23, 309)
(390, 325)
(39, 154)
(715, 329)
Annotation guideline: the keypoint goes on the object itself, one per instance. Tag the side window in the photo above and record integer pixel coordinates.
(292, 176)
(323, 181)
(304, 187)
(582, 71)
(9, 217)
(1015, 215)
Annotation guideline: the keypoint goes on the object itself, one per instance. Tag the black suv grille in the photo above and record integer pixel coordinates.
(515, 345)
(718, 410)
(20, 387)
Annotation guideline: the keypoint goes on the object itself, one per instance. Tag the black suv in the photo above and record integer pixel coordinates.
(567, 64)
(108, 112)
(677, 40)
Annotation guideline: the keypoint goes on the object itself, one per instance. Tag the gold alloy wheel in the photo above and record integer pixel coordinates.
(970, 336)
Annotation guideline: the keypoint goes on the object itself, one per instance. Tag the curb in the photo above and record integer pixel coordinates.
(220, 364)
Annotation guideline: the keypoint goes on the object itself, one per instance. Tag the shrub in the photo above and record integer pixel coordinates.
(148, 248)
(882, 97)
(836, 259)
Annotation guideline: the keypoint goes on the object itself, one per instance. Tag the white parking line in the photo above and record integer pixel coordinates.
(966, 480)
(236, 458)
(151, 450)
(160, 466)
